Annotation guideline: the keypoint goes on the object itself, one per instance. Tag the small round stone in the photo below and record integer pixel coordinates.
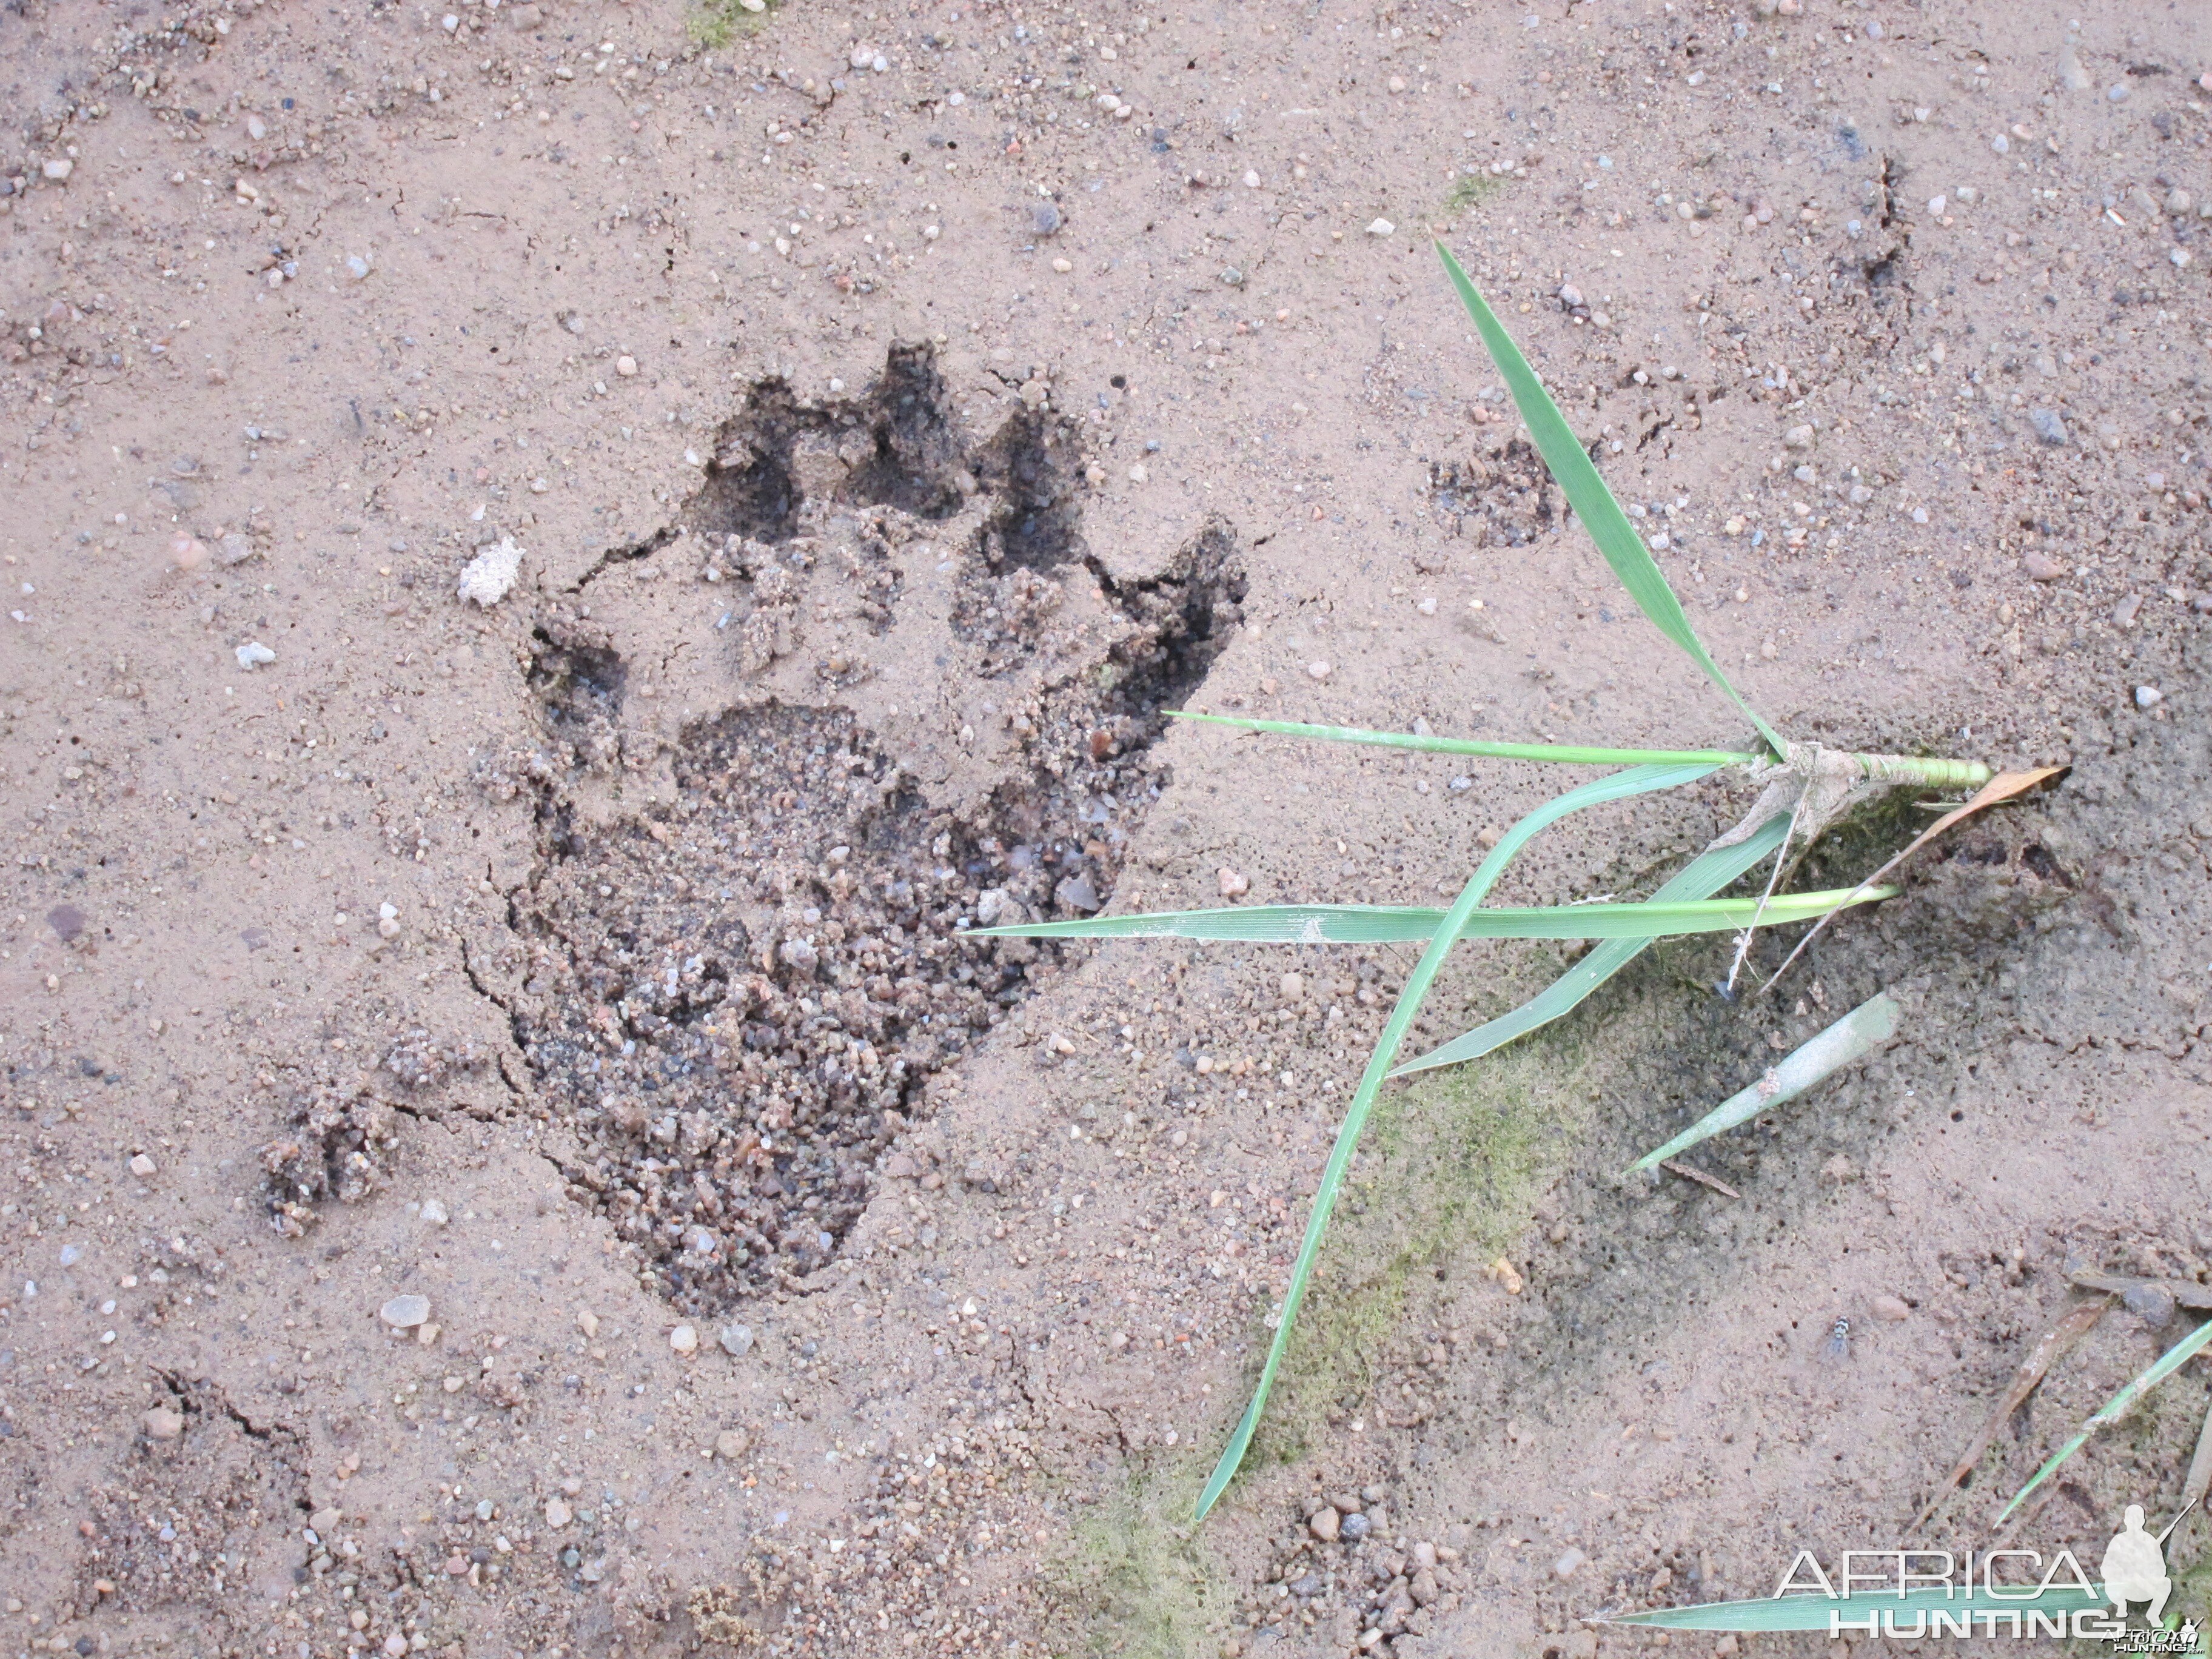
(625, 366)
(685, 1339)
(404, 1313)
(556, 1512)
(737, 1340)
(1319, 671)
(2148, 696)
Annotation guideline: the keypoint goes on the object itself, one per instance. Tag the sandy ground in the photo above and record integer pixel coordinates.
(504, 1152)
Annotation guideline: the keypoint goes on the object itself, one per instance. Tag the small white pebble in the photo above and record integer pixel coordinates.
(1380, 228)
(625, 366)
(2148, 696)
(1137, 473)
(58, 169)
(143, 1166)
(685, 1339)
(1063, 266)
(1319, 671)
(1251, 178)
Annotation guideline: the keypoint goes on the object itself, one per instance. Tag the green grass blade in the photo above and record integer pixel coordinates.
(1707, 873)
(1568, 754)
(2117, 1407)
(1377, 924)
(1636, 780)
(1872, 1023)
(1586, 493)
(1810, 1611)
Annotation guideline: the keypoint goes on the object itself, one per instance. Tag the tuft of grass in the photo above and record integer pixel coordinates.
(1470, 191)
(1805, 788)
(1136, 1580)
(715, 23)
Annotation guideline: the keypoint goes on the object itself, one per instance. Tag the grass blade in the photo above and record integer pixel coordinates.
(1568, 754)
(2076, 1322)
(1636, 780)
(1710, 871)
(1377, 923)
(2117, 1407)
(1872, 1023)
(1812, 1612)
(1586, 493)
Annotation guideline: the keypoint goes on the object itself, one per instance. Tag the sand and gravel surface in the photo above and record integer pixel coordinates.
(557, 553)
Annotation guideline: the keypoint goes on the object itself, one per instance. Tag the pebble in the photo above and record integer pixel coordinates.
(1318, 670)
(486, 578)
(1137, 473)
(59, 168)
(2118, 92)
(1355, 1527)
(434, 1213)
(1569, 295)
(1292, 986)
(2048, 425)
(1234, 882)
(737, 1340)
(188, 552)
(143, 1166)
(2041, 567)
(394, 1645)
(1798, 437)
(403, 1313)
(557, 1513)
(625, 366)
(2152, 1303)
(162, 1423)
(1324, 1524)
(1891, 1309)
(1045, 218)
(1569, 1563)
(253, 653)
(731, 1444)
(2071, 74)
(1063, 266)
(2148, 696)
(685, 1339)
(1380, 228)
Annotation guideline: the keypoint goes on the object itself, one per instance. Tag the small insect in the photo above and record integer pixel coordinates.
(1837, 1348)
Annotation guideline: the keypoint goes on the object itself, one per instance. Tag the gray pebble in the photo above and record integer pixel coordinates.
(737, 1340)
(403, 1313)
(2048, 425)
(71, 1255)
(1044, 218)
(2152, 1303)
(1356, 1527)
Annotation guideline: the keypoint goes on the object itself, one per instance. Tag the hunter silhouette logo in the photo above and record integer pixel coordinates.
(2135, 1567)
(2011, 1590)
